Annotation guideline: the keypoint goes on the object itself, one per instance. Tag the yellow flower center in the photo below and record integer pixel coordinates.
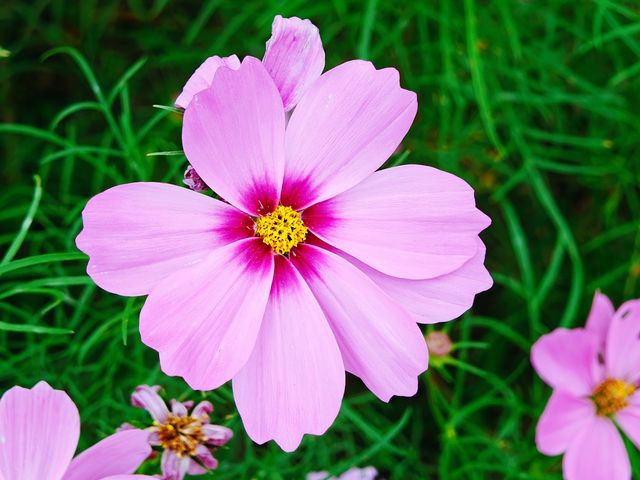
(282, 229)
(180, 434)
(611, 396)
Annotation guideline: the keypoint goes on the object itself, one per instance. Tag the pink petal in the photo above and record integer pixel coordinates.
(174, 467)
(39, 430)
(206, 458)
(355, 473)
(202, 78)
(138, 233)
(344, 128)
(564, 417)
(233, 135)
(629, 419)
(294, 380)
(437, 299)
(178, 408)
(294, 57)
(120, 453)
(204, 320)
(147, 397)
(130, 477)
(622, 355)
(411, 222)
(195, 468)
(567, 360)
(216, 434)
(600, 316)
(597, 454)
(379, 341)
(203, 408)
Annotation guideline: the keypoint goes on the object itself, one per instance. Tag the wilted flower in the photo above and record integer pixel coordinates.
(187, 439)
(355, 473)
(193, 181)
(595, 374)
(39, 431)
(316, 264)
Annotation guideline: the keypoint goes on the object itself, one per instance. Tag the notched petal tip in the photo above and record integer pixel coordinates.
(294, 57)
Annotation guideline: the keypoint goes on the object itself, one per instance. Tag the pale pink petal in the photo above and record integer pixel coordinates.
(204, 320)
(138, 233)
(355, 473)
(120, 453)
(195, 468)
(412, 221)
(568, 360)
(178, 408)
(204, 408)
(294, 380)
(437, 299)
(378, 339)
(174, 467)
(130, 477)
(233, 135)
(147, 397)
(39, 430)
(622, 355)
(324, 475)
(206, 458)
(294, 57)
(203, 76)
(344, 128)
(598, 453)
(629, 419)
(600, 316)
(216, 434)
(563, 418)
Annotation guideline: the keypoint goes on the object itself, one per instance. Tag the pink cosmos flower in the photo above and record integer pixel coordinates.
(595, 374)
(187, 438)
(314, 264)
(39, 431)
(355, 473)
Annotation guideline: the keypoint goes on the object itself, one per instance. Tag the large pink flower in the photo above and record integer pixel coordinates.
(595, 374)
(313, 264)
(39, 430)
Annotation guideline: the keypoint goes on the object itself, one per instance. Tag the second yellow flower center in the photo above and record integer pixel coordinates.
(282, 229)
(180, 434)
(611, 396)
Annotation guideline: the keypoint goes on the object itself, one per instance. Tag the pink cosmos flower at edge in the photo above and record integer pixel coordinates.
(381, 251)
(39, 431)
(592, 397)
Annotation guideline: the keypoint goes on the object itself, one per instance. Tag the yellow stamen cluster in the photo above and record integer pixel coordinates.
(611, 396)
(282, 229)
(182, 435)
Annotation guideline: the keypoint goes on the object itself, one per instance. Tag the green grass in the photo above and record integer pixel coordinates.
(536, 104)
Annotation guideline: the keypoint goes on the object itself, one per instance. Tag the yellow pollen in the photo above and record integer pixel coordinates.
(182, 435)
(282, 229)
(611, 396)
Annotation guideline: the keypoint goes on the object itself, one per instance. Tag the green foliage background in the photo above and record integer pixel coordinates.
(535, 103)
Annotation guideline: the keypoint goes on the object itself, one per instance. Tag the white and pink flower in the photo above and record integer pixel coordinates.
(187, 438)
